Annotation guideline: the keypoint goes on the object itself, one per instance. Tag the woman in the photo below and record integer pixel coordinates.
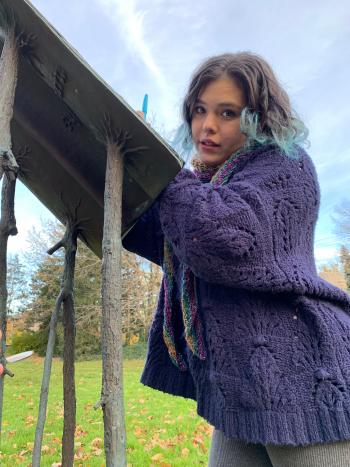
(244, 325)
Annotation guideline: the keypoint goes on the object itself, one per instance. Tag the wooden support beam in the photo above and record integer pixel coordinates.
(69, 397)
(65, 297)
(8, 82)
(7, 228)
(8, 171)
(112, 395)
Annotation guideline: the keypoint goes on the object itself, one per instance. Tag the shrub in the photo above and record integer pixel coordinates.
(29, 340)
(135, 352)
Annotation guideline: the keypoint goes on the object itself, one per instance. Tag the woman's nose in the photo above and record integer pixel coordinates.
(209, 123)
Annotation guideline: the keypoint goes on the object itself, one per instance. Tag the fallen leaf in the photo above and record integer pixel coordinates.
(97, 442)
(79, 431)
(206, 428)
(29, 420)
(79, 454)
(97, 452)
(185, 452)
(157, 457)
(138, 431)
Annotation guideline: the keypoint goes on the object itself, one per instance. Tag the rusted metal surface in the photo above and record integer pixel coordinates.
(59, 106)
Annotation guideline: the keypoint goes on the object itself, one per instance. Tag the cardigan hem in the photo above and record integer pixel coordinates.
(171, 381)
(299, 428)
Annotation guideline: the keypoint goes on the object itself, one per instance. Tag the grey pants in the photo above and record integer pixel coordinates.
(227, 452)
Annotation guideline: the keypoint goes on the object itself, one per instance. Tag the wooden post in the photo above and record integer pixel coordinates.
(112, 396)
(69, 397)
(8, 82)
(69, 242)
(8, 170)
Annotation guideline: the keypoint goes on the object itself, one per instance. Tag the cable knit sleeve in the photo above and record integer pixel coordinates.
(223, 232)
(146, 237)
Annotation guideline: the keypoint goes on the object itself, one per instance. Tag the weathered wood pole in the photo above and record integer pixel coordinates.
(8, 169)
(65, 296)
(8, 83)
(112, 396)
(69, 397)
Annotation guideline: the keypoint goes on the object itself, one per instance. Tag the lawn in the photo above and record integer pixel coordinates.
(162, 430)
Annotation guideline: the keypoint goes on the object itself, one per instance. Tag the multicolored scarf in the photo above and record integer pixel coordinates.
(218, 175)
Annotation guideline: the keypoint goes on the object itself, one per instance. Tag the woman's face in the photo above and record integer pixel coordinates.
(216, 121)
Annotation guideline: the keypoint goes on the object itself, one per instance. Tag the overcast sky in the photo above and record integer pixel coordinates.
(153, 46)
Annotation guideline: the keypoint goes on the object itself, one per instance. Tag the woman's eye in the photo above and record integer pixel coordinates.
(199, 109)
(229, 114)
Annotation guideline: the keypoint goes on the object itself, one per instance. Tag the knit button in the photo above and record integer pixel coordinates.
(194, 239)
(295, 317)
(259, 340)
(321, 374)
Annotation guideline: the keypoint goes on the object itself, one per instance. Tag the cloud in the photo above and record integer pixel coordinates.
(325, 255)
(164, 43)
(130, 22)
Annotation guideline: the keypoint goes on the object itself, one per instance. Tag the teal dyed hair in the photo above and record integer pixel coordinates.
(267, 118)
(182, 142)
(287, 138)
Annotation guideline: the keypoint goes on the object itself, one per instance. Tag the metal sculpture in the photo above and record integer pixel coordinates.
(97, 166)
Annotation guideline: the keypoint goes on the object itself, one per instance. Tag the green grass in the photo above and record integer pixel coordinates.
(162, 430)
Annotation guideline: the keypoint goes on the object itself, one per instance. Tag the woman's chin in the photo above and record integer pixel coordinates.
(211, 159)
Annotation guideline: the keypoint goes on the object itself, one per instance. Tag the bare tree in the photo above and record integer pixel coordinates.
(16, 283)
(341, 218)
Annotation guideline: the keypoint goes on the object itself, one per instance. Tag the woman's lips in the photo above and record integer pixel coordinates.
(208, 142)
(208, 147)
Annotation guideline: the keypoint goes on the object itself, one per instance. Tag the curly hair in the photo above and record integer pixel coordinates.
(268, 116)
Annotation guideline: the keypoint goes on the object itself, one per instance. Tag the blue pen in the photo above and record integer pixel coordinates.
(145, 105)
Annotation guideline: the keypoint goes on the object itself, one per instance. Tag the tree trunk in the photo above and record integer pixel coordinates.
(112, 398)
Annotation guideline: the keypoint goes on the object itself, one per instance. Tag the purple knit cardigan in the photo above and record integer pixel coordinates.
(277, 336)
